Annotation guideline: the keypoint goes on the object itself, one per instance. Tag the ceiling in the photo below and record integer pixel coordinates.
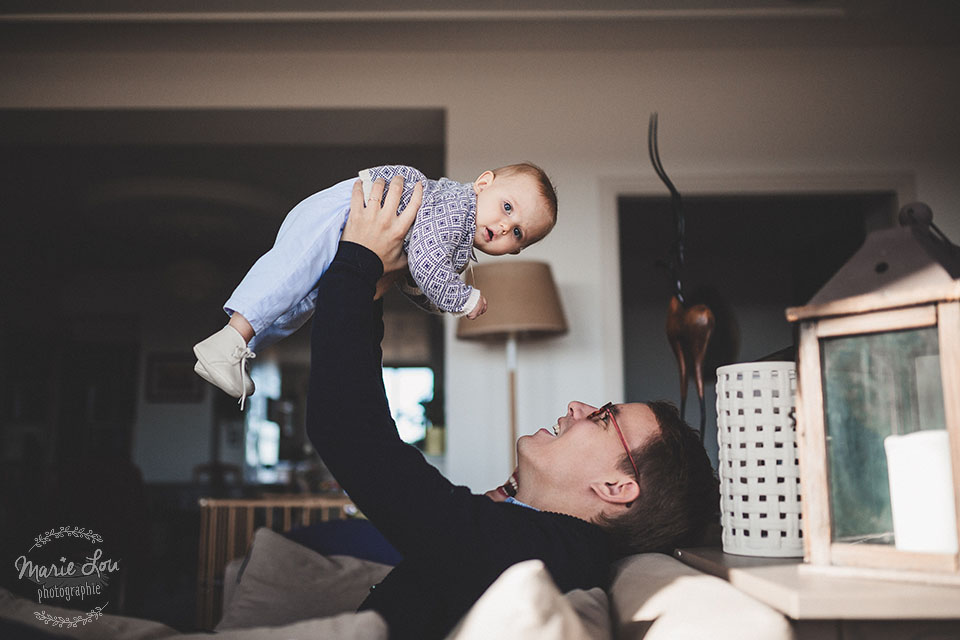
(464, 25)
(380, 10)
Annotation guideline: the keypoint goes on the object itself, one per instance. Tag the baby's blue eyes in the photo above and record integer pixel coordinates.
(508, 209)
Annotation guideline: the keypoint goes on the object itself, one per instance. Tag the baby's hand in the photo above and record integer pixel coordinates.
(478, 310)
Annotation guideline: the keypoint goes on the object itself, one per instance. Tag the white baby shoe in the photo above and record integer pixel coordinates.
(222, 360)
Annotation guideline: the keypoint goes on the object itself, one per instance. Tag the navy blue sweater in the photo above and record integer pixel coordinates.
(454, 543)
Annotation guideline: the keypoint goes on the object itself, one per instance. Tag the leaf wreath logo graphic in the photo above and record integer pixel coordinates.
(65, 565)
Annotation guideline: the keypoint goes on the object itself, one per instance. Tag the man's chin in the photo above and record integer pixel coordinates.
(528, 448)
(523, 443)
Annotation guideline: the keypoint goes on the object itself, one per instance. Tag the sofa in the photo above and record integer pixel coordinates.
(284, 590)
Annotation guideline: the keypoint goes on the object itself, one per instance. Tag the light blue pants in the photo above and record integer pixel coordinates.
(278, 294)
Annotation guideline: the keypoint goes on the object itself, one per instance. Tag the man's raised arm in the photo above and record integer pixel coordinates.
(348, 418)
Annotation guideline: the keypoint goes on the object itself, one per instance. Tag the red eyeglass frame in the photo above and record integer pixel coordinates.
(608, 409)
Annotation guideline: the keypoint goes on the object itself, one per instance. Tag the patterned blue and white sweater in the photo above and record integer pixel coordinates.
(439, 245)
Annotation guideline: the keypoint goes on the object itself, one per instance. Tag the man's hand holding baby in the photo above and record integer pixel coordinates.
(380, 228)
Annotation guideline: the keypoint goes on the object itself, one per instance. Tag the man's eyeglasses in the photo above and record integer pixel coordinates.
(606, 412)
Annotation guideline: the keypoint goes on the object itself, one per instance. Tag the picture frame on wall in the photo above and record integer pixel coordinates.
(170, 379)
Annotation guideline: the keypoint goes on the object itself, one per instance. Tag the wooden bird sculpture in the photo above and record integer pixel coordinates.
(689, 331)
(688, 328)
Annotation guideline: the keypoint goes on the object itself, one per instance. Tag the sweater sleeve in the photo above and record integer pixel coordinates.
(408, 286)
(348, 418)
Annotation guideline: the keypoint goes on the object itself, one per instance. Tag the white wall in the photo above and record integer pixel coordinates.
(750, 115)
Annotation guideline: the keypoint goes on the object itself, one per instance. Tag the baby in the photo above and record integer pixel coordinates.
(501, 212)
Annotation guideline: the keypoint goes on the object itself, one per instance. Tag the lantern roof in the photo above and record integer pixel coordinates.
(898, 267)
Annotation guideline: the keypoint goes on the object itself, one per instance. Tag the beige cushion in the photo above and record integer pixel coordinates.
(285, 582)
(593, 609)
(22, 610)
(656, 597)
(231, 577)
(525, 604)
(367, 625)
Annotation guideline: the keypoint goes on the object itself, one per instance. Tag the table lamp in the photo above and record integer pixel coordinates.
(522, 302)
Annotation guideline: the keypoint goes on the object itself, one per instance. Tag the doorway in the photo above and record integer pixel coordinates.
(748, 257)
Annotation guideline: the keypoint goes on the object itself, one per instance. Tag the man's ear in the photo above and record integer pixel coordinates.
(617, 492)
(484, 181)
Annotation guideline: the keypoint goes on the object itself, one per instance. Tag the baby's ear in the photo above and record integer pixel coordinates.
(517, 252)
(484, 181)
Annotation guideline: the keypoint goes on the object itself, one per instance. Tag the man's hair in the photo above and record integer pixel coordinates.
(679, 494)
(547, 191)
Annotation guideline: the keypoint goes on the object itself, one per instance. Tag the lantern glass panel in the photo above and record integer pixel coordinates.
(874, 385)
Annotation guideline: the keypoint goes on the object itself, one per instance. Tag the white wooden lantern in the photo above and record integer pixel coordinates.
(878, 406)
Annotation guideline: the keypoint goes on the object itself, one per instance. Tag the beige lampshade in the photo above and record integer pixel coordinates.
(522, 298)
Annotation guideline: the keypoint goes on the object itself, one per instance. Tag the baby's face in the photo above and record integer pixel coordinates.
(511, 213)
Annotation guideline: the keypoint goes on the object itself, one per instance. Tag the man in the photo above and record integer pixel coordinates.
(622, 479)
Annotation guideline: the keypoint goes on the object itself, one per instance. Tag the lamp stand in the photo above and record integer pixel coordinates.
(524, 301)
(512, 391)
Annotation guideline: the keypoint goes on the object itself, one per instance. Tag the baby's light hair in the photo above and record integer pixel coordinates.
(547, 190)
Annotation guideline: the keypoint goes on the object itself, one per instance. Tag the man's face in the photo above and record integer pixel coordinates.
(582, 449)
(511, 213)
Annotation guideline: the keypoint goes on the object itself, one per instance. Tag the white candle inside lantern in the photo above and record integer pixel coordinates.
(921, 491)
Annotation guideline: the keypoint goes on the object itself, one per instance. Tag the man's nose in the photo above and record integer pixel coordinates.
(578, 409)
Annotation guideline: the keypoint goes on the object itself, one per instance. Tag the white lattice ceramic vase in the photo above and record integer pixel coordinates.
(758, 461)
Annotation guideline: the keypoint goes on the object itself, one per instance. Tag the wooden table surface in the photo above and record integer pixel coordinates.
(803, 592)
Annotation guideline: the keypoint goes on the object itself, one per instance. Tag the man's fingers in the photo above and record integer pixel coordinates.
(382, 234)
(393, 194)
(356, 196)
(376, 194)
(416, 198)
